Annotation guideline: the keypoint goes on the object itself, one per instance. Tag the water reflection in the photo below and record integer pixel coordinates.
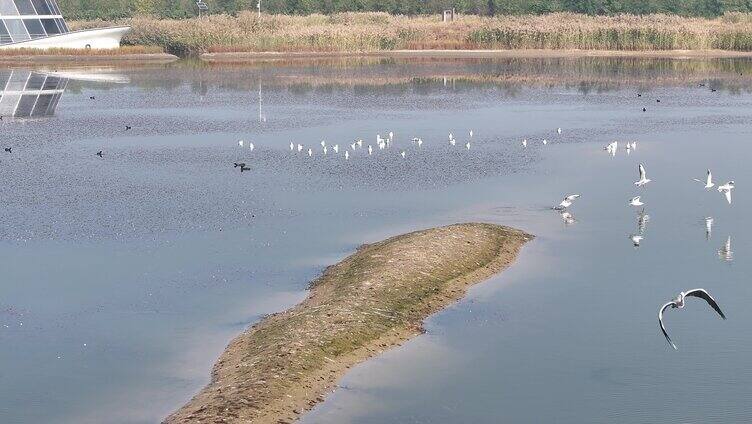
(27, 94)
(708, 228)
(642, 223)
(32, 94)
(725, 251)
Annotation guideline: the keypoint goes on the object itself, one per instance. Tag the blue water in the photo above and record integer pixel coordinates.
(125, 276)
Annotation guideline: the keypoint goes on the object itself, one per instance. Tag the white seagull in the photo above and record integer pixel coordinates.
(558, 130)
(524, 143)
(567, 202)
(359, 143)
(636, 239)
(353, 146)
(240, 143)
(678, 303)
(336, 148)
(471, 133)
(370, 149)
(420, 142)
(545, 141)
(323, 143)
(643, 176)
(726, 190)
(347, 155)
(251, 146)
(467, 145)
(635, 201)
(310, 152)
(402, 154)
(325, 149)
(300, 147)
(708, 180)
(292, 146)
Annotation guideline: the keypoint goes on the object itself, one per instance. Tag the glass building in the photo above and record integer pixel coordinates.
(23, 20)
(25, 94)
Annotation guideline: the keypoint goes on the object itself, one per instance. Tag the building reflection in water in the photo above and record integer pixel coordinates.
(27, 94)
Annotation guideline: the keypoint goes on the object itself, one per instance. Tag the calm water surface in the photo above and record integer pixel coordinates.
(123, 277)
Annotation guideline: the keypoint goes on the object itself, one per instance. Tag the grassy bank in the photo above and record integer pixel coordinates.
(372, 300)
(380, 31)
(124, 50)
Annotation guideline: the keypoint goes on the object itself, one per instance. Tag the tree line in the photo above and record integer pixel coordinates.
(114, 9)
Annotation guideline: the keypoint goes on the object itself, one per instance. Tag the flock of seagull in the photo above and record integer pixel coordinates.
(383, 143)
(725, 252)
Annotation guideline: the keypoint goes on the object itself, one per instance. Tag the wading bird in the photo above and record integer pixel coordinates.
(678, 303)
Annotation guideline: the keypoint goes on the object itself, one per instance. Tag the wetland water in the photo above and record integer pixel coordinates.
(123, 277)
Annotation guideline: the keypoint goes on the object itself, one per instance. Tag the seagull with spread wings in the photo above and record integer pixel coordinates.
(708, 180)
(643, 176)
(678, 303)
(567, 202)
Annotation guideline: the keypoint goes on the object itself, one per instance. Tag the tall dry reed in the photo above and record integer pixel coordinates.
(380, 31)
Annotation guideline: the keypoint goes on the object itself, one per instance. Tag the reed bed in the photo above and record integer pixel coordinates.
(367, 32)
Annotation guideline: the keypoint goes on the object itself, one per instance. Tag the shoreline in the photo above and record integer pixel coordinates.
(229, 57)
(374, 299)
(97, 59)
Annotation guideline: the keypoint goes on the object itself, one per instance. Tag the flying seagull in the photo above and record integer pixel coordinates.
(244, 168)
(708, 180)
(567, 202)
(9, 149)
(99, 153)
(678, 303)
(643, 177)
(636, 239)
(238, 164)
(726, 190)
(635, 201)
